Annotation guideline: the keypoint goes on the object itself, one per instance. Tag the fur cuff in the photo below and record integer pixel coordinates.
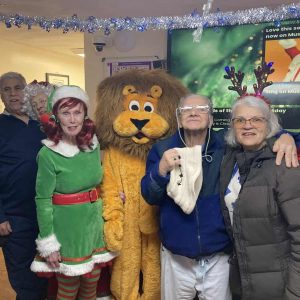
(48, 245)
(287, 43)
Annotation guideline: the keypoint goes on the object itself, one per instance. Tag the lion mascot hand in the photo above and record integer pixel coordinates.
(134, 109)
(113, 230)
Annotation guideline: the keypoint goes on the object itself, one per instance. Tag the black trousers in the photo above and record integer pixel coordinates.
(19, 250)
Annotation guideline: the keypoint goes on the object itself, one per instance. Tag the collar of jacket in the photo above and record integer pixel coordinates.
(216, 140)
(249, 159)
(265, 153)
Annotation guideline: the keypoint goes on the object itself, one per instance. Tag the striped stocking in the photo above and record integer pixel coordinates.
(88, 285)
(67, 287)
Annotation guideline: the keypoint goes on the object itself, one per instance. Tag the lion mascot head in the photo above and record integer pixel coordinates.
(135, 108)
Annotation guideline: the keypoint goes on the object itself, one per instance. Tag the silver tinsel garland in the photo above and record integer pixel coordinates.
(198, 32)
(194, 20)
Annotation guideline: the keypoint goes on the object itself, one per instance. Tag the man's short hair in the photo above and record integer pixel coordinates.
(12, 75)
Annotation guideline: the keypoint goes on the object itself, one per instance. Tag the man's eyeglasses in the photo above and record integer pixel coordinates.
(254, 121)
(198, 109)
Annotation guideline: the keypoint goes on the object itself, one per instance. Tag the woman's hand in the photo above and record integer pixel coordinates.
(53, 259)
(169, 160)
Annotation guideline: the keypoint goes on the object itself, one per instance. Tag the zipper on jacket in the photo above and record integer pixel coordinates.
(241, 248)
(198, 228)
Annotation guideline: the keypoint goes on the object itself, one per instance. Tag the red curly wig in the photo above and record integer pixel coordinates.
(53, 129)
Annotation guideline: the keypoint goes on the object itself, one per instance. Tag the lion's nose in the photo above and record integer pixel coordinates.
(139, 124)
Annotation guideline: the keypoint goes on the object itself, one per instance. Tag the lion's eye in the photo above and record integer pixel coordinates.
(134, 105)
(148, 107)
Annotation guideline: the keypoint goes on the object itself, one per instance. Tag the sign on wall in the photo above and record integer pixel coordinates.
(115, 67)
(147, 63)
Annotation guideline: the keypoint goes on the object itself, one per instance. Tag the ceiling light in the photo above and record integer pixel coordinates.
(78, 51)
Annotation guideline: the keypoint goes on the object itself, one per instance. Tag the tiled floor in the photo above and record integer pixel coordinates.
(6, 292)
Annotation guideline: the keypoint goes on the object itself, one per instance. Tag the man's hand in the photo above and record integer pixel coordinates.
(53, 259)
(285, 146)
(169, 160)
(5, 228)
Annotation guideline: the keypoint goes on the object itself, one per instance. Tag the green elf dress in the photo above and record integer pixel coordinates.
(76, 230)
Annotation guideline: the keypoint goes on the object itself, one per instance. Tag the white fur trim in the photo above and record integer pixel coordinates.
(66, 149)
(74, 270)
(48, 245)
(186, 193)
(67, 91)
(293, 70)
(295, 62)
(287, 43)
(104, 298)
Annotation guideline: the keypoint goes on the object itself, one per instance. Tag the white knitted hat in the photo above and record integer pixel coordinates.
(186, 193)
(72, 91)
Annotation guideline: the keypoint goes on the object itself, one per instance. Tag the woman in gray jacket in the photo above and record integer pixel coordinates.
(261, 207)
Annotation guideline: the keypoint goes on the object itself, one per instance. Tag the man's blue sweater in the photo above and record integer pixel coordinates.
(19, 145)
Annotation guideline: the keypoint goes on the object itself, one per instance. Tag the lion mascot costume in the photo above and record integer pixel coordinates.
(134, 109)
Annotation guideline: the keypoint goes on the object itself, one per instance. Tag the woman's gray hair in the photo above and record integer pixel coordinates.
(252, 101)
(12, 75)
(188, 96)
(31, 90)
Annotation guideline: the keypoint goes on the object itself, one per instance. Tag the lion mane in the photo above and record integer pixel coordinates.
(110, 106)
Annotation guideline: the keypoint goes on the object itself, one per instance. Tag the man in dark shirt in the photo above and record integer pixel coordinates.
(19, 144)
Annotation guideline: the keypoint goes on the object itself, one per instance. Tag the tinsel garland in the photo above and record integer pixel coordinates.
(197, 34)
(141, 24)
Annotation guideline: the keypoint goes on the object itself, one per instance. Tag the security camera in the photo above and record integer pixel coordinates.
(101, 42)
(99, 46)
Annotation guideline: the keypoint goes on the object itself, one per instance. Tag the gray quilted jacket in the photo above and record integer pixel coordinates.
(266, 225)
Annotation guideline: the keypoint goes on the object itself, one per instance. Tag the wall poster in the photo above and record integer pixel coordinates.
(115, 66)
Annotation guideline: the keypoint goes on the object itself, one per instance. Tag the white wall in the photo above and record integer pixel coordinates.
(34, 63)
(147, 44)
(86, 73)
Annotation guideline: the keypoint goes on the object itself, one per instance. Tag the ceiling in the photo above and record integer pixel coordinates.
(56, 41)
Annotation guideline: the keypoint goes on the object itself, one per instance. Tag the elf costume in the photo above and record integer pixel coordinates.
(69, 208)
(74, 230)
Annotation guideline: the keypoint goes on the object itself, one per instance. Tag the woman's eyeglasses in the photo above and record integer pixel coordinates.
(254, 121)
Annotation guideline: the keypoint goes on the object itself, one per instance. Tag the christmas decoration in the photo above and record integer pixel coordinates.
(198, 32)
(141, 24)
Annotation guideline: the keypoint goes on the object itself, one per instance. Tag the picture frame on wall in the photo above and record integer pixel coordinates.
(57, 79)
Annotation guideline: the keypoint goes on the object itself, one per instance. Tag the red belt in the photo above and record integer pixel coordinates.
(68, 199)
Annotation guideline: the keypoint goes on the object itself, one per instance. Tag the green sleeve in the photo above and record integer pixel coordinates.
(45, 187)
